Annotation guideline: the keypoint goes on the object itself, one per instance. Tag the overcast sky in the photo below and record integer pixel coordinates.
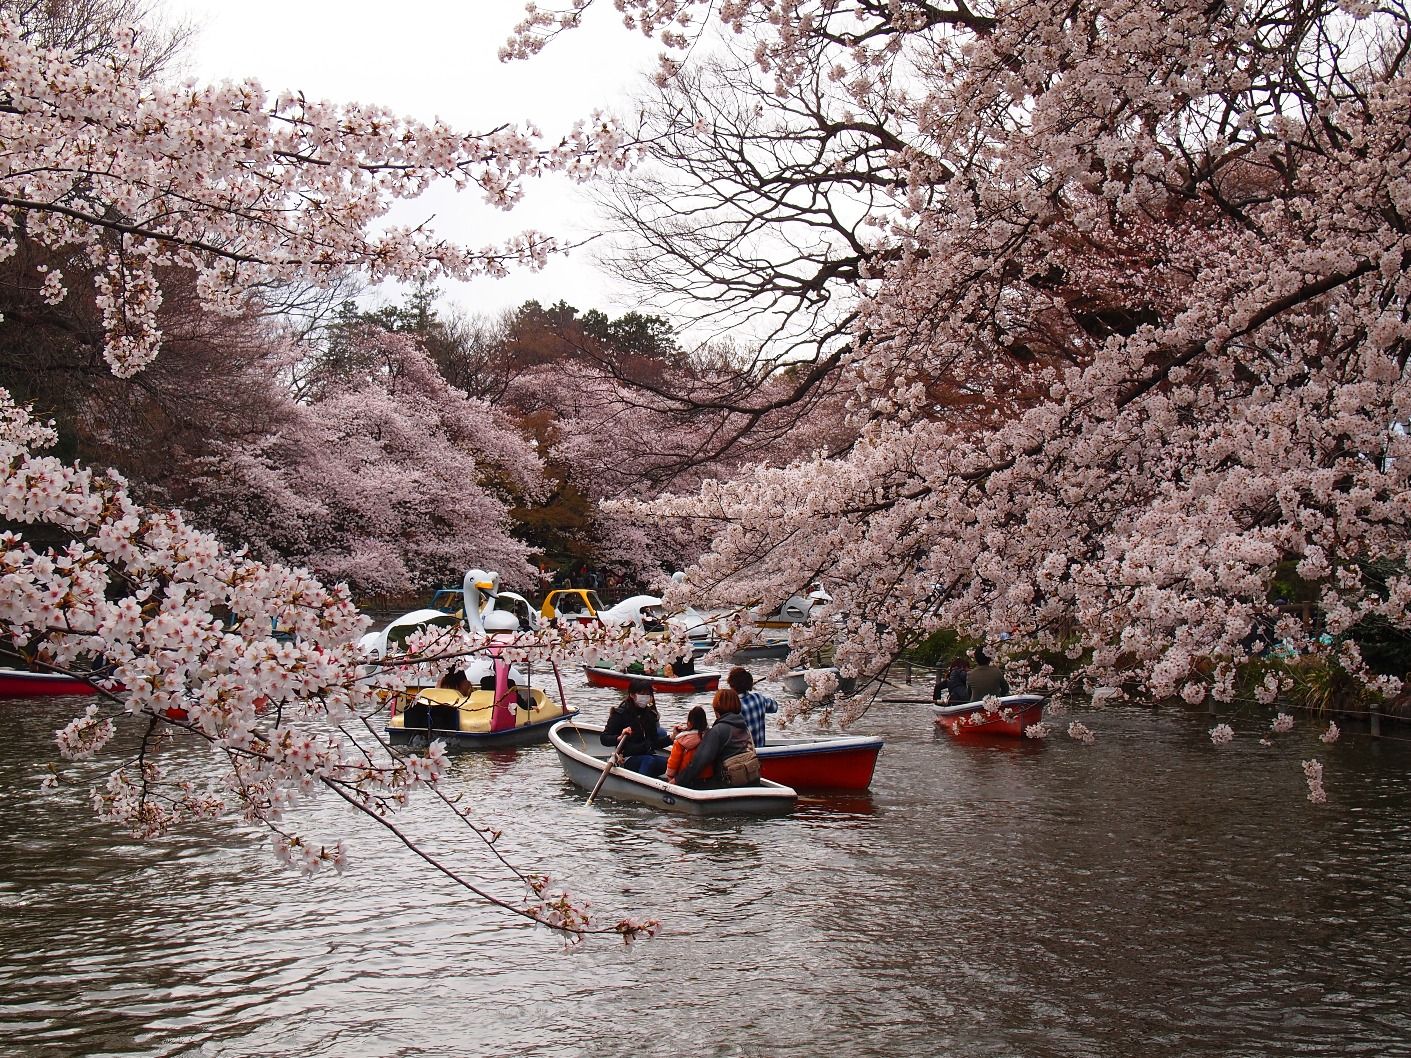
(427, 59)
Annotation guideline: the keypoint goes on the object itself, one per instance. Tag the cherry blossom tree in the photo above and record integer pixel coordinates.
(178, 635)
(1128, 234)
(1122, 333)
(140, 180)
(238, 187)
(384, 482)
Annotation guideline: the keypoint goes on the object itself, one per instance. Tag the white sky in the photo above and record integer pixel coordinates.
(431, 58)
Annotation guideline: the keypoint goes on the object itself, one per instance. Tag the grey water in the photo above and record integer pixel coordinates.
(1150, 894)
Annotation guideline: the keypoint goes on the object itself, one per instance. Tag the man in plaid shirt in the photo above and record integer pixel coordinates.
(753, 705)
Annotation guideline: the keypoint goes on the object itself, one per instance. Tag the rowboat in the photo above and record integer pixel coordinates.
(598, 676)
(839, 762)
(764, 650)
(21, 683)
(796, 682)
(1009, 716)
(584, 759)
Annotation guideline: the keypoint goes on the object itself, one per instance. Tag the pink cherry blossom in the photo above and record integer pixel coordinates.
(1313, 772)
(1081, 733)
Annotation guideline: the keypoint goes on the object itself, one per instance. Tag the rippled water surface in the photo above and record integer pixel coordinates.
(1148, 895)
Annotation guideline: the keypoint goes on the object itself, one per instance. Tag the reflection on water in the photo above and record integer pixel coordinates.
(1145, 895)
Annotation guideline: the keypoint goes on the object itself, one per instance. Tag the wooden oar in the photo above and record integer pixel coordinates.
(613, 762)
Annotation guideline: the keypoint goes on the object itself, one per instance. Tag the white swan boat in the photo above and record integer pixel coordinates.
(502, 707)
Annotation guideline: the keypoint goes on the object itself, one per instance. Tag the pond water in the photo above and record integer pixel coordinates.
(1147, 895)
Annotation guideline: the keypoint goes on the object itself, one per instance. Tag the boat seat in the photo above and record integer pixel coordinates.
(451, 711)
(421, 714)
(445, 718)
(440, 705)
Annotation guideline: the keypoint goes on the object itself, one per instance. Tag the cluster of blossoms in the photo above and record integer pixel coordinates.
(1082, 733)
(241, 188)
(1313, 772)
(260, 661)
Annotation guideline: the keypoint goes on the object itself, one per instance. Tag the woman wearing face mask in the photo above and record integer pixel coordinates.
(636, 717)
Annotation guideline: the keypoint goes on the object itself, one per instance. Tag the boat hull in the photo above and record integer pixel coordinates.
(796, 682)
(18, 683)
(583, 759)
(695, 684)
(522, 735)
(761, 652)
(844, 763)
(971, 720)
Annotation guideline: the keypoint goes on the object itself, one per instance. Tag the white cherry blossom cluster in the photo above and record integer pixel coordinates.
(1313, 772)
(1081, 733)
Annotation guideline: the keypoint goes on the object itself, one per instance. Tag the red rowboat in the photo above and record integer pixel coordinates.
(838, 763)
(21, 683)
(1013, 714)
(700, 681)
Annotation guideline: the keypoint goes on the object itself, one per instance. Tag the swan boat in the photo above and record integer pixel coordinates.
(798, 609)
(503, 707)
(484, 719)
(645, 611)
(452, 601)
(571, 605)
(600, 676)
(1009, 717)
(585, 759)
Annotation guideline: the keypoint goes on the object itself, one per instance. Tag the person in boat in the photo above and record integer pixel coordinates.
(456, 680)
(986, 679)
(636, 717)
(753, 704)
(682, 666)
(956, 682)
(522, 697)
(728, 736)
(687, 741)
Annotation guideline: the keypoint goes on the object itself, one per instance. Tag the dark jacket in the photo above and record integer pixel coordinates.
(644, 723)
(728, 735)
(986, 680)
(955, 682)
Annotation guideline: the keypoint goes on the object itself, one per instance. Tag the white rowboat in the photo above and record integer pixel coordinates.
(584, 757)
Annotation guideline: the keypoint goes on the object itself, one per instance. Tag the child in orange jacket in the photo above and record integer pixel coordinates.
(687, 740)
